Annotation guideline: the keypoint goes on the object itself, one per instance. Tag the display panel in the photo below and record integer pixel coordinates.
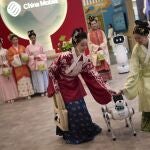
(116, 3)
(119, 20)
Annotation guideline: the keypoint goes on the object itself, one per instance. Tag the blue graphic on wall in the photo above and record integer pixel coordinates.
(117, 16)
(117, 3)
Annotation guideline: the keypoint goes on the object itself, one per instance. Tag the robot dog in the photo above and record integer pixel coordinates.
(120, 52)
(121, 111)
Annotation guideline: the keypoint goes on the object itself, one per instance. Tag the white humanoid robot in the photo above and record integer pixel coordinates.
(120, 52)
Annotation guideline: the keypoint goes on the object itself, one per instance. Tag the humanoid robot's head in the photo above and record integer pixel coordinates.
(118, 39)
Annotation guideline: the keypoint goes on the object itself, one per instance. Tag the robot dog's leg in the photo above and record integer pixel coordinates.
(110, 128)
(126, 122)
(131, 123)
(134, 132)
(104, 116)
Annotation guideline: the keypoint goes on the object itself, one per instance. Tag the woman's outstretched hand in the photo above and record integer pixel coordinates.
(113, 92)
(120, 92)
(116, 93)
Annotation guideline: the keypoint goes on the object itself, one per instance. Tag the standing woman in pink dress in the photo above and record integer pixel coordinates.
(37, 65)
(8, 88)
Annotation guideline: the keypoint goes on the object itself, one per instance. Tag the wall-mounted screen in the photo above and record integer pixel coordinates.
(120, 23)
(116, 3)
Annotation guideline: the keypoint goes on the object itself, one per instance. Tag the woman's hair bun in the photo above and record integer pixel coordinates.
(141, 23)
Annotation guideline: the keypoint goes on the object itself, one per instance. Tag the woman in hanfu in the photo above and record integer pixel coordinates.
(8, 88)
(63, 77)
(138, 82)
(21, 71)
(97, 44)
(37, 58)
(110, 34)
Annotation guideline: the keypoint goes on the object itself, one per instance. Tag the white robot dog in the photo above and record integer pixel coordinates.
(120, 52)
(121, 111)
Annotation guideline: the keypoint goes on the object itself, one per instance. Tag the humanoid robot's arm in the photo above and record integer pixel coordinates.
(126, 50)
(144, 9)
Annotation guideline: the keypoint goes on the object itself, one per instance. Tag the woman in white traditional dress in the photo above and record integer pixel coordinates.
(37, 64)
(8, 88)
(110, 34)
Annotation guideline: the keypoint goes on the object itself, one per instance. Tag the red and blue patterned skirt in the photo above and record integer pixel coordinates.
(81, 127)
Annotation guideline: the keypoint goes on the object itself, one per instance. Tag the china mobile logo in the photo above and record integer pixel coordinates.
(14, 9)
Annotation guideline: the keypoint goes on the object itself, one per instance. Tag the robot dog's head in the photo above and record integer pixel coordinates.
(118, 39)
(120, 105)
(119, 102)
